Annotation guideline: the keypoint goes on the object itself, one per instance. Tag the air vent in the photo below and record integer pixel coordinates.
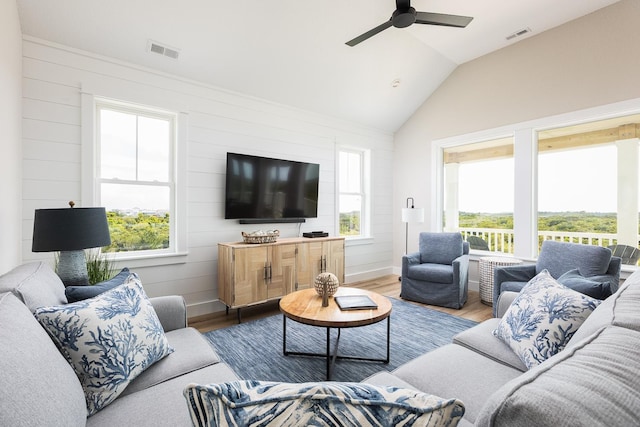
(519, 33)
(155, 47)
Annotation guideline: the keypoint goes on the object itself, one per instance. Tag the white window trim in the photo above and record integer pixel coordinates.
(365, 179)
(525, 162)
(89, 183)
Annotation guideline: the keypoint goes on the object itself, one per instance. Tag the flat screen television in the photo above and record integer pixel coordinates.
(262, 188)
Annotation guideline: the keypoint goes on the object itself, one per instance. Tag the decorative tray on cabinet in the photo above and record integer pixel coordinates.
(260, 236)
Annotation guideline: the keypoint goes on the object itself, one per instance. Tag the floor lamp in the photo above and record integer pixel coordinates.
(410, 214)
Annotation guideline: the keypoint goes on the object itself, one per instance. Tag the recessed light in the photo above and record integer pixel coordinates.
(395, 83)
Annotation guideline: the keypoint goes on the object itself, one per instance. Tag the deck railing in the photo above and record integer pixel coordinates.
(501, 240)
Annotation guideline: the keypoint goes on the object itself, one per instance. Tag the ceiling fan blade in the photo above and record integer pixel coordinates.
(369, 33)
(442, 19)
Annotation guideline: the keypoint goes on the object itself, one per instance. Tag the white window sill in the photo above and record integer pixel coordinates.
(358, 241)
(137, 261)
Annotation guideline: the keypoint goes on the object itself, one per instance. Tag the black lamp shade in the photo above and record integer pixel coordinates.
(70, 229)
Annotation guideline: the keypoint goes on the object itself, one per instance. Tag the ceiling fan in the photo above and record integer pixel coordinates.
(405, 15)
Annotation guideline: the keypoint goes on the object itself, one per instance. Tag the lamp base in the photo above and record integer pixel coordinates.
(72, 268)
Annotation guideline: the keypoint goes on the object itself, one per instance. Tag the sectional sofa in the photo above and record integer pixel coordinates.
(594, 381)
(38, 387)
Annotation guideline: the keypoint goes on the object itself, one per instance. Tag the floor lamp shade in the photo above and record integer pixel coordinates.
(412, 215)
(70, 231)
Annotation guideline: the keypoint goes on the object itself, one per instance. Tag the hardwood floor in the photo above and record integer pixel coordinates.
(385, 285)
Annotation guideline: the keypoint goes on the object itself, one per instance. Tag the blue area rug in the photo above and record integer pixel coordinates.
(254, 349)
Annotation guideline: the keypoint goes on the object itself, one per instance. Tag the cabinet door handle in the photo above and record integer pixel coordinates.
(266, 273)
(270, 273)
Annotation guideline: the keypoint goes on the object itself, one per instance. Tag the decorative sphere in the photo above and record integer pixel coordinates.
(330, 279)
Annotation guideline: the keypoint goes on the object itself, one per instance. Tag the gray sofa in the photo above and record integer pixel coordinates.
(594, 381)
(39, 388)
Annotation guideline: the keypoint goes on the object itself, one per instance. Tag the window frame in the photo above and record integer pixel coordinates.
(364, 193)
(525, 162)
(91, 182)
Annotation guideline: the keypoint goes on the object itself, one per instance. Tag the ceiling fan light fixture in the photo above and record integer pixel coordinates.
(402, 18)
(404, 15)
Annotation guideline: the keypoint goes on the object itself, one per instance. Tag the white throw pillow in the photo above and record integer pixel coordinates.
(108, 340)
(321, 404)
(543, 318)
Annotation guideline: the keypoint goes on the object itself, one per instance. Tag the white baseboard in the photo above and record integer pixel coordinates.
(204, 308)
(368, 275)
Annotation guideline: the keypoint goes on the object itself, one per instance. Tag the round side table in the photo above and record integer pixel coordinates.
(486, 265)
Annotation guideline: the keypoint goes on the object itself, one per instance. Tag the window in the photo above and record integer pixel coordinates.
(479, 193)
(352, 192)
(573, 177)
(588, 183)
(135, 177)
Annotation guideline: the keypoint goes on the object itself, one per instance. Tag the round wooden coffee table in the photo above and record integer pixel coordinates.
(305, 306)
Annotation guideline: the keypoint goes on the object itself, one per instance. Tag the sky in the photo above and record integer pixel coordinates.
(574, 180)
(134, 150)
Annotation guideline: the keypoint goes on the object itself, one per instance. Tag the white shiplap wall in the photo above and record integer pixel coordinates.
(54, 77)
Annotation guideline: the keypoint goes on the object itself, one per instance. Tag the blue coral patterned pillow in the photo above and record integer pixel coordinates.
(108, 340)
(543, 318)
(318, 404)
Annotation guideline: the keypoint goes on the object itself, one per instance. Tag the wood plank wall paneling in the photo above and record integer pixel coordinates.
(218, 121)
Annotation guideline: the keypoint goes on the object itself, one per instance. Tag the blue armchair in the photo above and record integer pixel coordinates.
(586, 268)
(439, 273)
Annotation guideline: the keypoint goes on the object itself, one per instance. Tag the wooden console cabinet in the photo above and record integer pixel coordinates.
(251, 274)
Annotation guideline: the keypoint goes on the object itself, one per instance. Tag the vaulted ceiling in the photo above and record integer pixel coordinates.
(293, 52)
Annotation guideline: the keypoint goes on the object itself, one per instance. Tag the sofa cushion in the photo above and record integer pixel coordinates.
(318, 404)
(595, 289)
(440, 248)
(455, 371)
(560, 257)
(191, 352)
(627, 304)
(161, 405)
(437, 273)
(543, 318)
(37, 386)
(108, 340)
(594, 383)
(620, 309)
(78, 293)
(35, 283)
(480, 339)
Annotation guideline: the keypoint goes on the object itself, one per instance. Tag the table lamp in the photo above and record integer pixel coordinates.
(70, 231)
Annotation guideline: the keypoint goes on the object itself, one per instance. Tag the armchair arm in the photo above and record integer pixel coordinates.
(461, 269)
(171, 310)
(613, 273)
(510, 273)
(408, 260)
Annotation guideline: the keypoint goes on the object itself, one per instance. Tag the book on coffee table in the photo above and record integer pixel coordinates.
(355, 302)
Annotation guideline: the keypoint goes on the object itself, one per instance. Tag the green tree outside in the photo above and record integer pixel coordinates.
(137, 232)
(350, 223)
